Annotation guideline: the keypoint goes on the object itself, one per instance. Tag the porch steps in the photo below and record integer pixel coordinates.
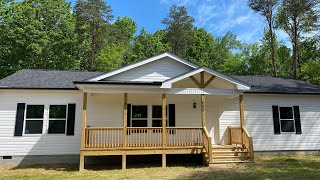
(223, 154)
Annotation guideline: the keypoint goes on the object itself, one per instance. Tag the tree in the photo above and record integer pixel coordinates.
(222, 51)
(92, 24)
(201, 49)
(36, 34)
(147, 45)
(266, 8)
(125, 29)
(297, 17)
(111, 57)
(179, 27)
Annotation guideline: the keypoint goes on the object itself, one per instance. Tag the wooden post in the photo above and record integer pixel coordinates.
(164, 119)
(203, 110)
(125, 112)
(202, 79)
(164, 124)
(241, 116)
(83, 130)
(164, 160)
(124, 161)
(124, 140)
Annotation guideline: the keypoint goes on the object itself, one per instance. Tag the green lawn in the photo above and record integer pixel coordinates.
(267, 167)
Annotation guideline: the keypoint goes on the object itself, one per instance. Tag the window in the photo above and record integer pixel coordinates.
(139, 116)
(57, 119)
(34, 119)
(286, 119)
(157, 116)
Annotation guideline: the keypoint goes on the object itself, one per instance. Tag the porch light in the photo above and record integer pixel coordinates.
(194, 105)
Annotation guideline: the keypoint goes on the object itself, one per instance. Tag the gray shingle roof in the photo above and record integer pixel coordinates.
(265, 84)
(52, 79)
(45, 79)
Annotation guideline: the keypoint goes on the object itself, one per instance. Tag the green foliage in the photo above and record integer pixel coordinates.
(36, 34)
(92, 24)
(45, 34)
(201, 49)
(126, 29)
(297, 17)
(179, 27)
(111, 57)
(148, 45)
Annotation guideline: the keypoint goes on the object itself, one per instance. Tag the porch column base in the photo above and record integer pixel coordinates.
(164, 160)
(124, 161)
(81, 164)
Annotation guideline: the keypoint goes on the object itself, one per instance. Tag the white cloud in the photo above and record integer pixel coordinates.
(220, 16)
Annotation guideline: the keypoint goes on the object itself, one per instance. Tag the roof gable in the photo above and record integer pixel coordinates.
(150, 62)
(239, 84)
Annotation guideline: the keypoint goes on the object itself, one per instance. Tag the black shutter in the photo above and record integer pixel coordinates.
(19, 119)
(297, 119)
(276, 120)
(71, 119)
(172, 115)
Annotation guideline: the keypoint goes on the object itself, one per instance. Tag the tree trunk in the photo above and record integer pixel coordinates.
(93, 49)
(295, 51)
(274, 68)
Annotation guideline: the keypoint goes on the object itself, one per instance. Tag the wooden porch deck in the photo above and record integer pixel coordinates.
(101, 141)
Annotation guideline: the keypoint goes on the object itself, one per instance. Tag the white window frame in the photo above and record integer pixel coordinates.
(25, 119)
(167, 119)
(141, 119)
(59, 119)
(294, 125)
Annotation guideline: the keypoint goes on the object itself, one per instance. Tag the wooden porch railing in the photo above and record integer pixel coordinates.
(140, 137)
(103, 137)
(183, 137)
(207, 144)
(238, 135)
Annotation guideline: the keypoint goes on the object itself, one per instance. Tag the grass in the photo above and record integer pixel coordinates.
(266, 167)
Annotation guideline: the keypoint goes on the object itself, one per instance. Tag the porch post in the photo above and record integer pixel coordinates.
(241, 116)
(241, 111)
(83, 130)
(203, 110)
(124, 133)
(164, 133)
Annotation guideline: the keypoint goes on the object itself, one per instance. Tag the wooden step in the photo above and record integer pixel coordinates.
(227, 162)
(227, 153)
(228, 158)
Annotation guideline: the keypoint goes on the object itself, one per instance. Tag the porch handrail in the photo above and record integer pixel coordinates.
(207, 145)
(240, 135)
(141, 137)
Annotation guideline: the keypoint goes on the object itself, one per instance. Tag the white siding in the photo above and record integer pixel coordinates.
(156, 71)
(259, 121)
(37, 144)
(106, 110)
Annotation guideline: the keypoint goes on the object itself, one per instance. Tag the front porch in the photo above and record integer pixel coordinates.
(123, 141)
(184, 114)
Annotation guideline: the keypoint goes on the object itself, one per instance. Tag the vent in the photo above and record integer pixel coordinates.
(7, 157)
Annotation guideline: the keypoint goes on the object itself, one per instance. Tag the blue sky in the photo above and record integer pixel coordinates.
(216, 16)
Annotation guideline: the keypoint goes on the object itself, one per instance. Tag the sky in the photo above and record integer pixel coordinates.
(216, 16)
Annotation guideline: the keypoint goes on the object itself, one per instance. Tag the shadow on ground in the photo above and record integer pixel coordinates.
(114, 162)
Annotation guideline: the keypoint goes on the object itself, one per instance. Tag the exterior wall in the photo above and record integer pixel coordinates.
(44, 144)
(106, 110)
(259, 121)
(157, 71)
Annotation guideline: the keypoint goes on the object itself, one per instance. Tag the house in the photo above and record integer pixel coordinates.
(160, 105)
